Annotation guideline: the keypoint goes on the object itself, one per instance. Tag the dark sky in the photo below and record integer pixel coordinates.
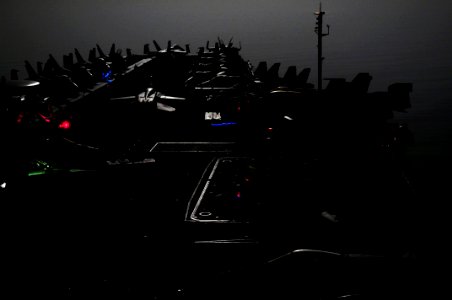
(378, 36)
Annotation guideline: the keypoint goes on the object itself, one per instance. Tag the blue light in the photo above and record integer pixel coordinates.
(223, 124)
(107, 76)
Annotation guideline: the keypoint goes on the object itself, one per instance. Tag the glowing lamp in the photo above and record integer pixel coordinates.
(46, 119)
(65, 124)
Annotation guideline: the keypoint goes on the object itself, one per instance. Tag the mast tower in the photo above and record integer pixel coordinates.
(319, 31)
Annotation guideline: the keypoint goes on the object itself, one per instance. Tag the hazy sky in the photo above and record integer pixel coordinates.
(378, 36)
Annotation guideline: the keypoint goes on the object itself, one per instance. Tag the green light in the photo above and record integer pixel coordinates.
(76, 170)
(44, 172)
(34, 173)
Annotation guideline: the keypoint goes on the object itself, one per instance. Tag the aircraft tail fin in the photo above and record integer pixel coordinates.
(68, 61)
(55, 66)
(220, 42)
(32, 74)
(360, 84)
(100, 51)
(54, 63)
(156, 45)
(92, 55)
(80, 59)
(39, 65)
(230, 43)
(48, 68)
(112, 50)
(146, 49)
(272, 75)
(290, 77)
(303, 76)
(261, 70)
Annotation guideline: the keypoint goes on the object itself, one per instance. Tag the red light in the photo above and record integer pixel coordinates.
(44, 118)
(270, 129)
(20, 117)
(65, 125)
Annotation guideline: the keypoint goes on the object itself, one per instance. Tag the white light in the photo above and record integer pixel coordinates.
(212, 115)
(3, 185)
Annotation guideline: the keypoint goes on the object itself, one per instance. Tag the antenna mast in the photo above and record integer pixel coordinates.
(319, 31)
